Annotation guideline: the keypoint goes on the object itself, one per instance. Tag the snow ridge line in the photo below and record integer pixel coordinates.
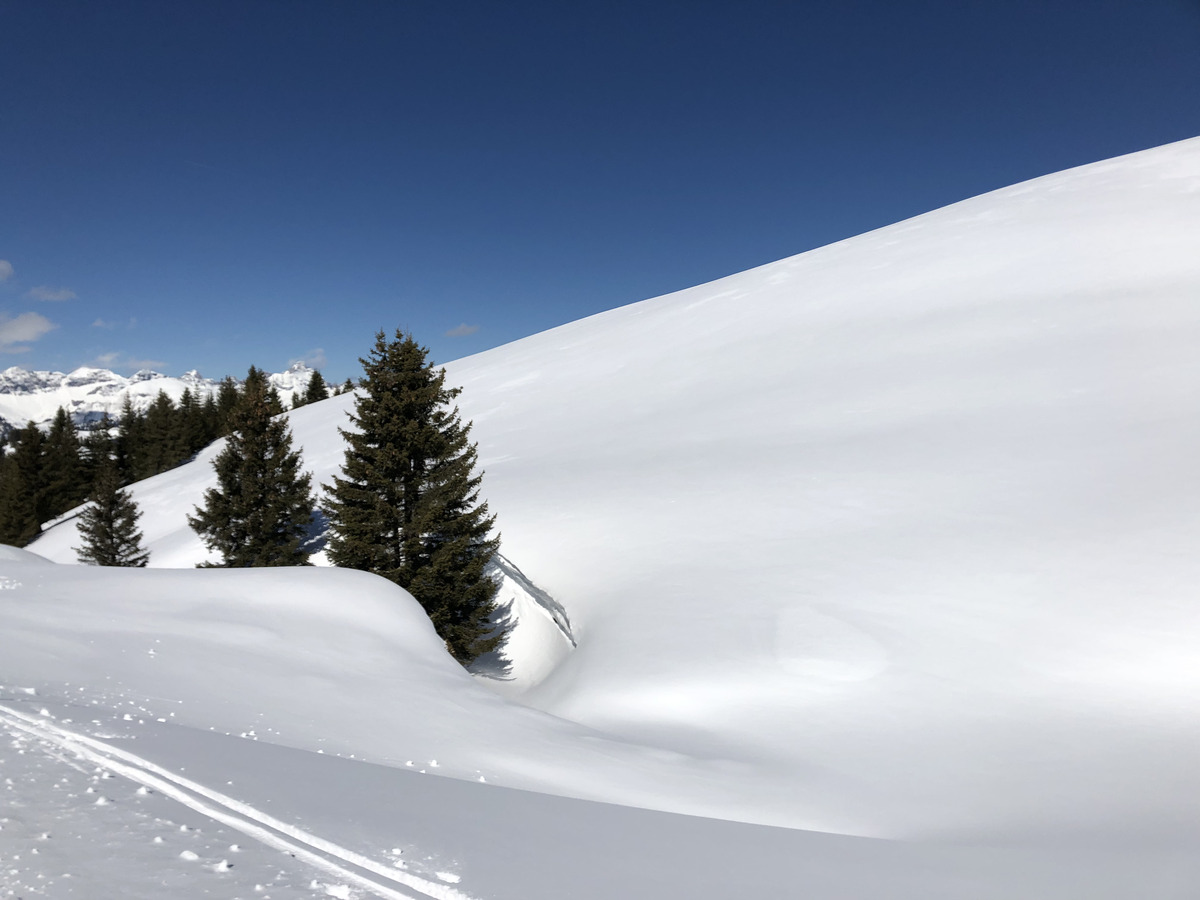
(236, 815)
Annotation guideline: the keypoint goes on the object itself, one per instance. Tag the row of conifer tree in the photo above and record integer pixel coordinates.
(44, 474)
(406, 505)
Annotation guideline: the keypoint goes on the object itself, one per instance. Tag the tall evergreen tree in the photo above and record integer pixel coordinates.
(262, 507)
(406, 505)
(109, 523)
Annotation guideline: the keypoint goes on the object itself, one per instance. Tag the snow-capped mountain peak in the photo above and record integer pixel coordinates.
(88, 393)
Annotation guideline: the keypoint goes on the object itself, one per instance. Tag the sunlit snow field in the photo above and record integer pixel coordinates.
(880, 559)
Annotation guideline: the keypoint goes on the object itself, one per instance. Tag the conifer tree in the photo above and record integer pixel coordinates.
(130, 431)
(257, 381)
(210, 418)
(227, 401)
(11, 521)
(109, 523)
(66, 485)
(316, 390)
(191, 425)
(151, 440)
(406, 505)
(262, 507)
(96, 445)
(23, 487)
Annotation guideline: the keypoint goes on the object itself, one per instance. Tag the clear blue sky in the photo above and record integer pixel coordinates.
(214, 184)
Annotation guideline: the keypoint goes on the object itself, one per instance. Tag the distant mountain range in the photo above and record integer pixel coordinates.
(88, 393)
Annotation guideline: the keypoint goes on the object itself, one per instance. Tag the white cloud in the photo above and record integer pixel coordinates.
(6, 270)
(121, 360)
(26, 327)
(109, 324)
(314, 359)
(462, 330)
(51, 295)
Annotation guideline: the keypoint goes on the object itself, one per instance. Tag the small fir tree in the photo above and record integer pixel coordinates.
(257, 381)
(66, 484)
(406, 505)
(317, 389)
(260, 512)
(155, 441)
(210, 419)
(227, 401)
(193, 430)
(109, 523)
(130, 432)
(23, 480)
(99, 447)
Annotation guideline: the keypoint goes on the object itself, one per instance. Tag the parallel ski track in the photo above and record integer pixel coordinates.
(325, 855)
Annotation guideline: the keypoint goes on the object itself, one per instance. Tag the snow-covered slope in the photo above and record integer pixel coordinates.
(88, 393)
(893, 539)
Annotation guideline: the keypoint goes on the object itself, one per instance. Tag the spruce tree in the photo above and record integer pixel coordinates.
(99, 447)
(150, 437)
(66, 484)
(191, 424)
(317, 389)
(109, 523)
(23, 506)
(406, 505)
(210, 418)
(131, 431)
(227, 401)
(257, 381)
(260, 512)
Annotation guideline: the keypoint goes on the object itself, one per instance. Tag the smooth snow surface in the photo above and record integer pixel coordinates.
(892, 540)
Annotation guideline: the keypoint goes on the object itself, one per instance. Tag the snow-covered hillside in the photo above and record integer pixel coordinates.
(891, 540)
(88, 393)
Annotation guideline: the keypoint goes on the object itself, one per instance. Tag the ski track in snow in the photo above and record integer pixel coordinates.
(335, 861)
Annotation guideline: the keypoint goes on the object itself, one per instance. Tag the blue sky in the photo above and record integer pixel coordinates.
(218, 184)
